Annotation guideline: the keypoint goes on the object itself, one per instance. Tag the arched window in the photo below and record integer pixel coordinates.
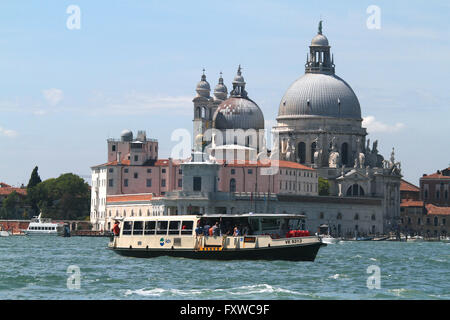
(355, 190)
(436, 221)
(339, 216)
(373, 217)
(233, 185)
(198, 112)
(204, 112)
(356, 216)
(302, 152)
(344, 153)
(313, 149)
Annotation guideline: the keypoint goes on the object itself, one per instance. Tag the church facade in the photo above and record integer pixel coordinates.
(319, 134)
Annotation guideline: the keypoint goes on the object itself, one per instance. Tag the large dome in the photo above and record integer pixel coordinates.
(318, 94)
(238, 113)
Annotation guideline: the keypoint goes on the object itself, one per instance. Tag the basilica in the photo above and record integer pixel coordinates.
(318, 136)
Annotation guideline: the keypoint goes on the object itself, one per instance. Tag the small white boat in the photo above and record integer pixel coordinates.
(4, 233)
(415, 239)
(329, 239)
(40, 226)
(446, 239)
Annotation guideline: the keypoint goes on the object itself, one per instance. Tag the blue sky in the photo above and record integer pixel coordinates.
(135, 65)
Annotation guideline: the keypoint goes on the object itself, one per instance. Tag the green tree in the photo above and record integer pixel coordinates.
(10, 206)
(324, 187)
(35, 179)
(66, 197)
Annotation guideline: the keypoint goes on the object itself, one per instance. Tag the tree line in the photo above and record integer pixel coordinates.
(66, 197)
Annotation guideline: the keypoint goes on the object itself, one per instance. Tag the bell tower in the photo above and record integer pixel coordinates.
(202, 112)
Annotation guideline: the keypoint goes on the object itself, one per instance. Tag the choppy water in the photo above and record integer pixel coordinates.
(36, 268)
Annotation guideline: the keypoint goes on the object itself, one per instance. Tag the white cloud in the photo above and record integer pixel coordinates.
(7, 132)
(373, 125)
(53, 96)
(139, 103)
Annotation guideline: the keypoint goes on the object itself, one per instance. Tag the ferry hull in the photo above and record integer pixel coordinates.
(306, 252)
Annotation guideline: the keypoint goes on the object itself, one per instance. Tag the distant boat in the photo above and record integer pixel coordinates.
(446, 239)
(363, 238)
(40, 226)
(329, 239)
(415, 239)
(4, 233)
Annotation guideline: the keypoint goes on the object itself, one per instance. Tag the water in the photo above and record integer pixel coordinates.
(36, 268)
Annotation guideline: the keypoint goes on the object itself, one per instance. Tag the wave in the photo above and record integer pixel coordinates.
(243, 290)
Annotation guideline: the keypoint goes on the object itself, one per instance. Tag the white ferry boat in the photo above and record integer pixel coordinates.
(41, 226)
(260, 237)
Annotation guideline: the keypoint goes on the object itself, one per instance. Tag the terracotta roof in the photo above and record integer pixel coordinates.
(438, 175)
(275, 163)
(129, 197)
(158, 163)
(407, 186)
(5, 191)
(432, 209)
(411, 203)
(4, 185)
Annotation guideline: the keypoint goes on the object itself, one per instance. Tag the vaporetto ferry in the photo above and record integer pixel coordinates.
(259, 237)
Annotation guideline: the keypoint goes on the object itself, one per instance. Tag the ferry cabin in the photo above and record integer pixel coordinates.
(176, 236)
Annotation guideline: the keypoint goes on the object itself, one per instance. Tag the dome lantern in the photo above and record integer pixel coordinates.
(319, 60)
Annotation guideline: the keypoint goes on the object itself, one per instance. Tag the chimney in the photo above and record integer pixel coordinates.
(118, 158)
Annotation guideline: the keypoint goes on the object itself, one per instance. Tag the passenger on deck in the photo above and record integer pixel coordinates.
(206, 229)
(216, 229)
(116, 228)
(199, 229)
(236, 232)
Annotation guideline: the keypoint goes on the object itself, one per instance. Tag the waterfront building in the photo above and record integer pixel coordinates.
(435, 187)
(429, 215)
(409, 191)
(319, 133)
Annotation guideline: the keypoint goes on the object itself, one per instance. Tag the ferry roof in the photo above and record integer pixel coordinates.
(236, 215)
(255, 215)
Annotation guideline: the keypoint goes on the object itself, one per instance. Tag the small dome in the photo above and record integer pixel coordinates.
(319, 41)
(220, 91)
(203, 87)
(238, 113)
(126, 135)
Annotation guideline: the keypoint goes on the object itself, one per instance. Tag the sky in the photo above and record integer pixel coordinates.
(69, 81)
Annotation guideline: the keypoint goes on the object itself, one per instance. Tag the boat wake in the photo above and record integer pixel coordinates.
(243, 290)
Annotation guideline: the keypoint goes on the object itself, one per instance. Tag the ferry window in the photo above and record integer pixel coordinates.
(150, 227)
(138, 228)
(127, 228)
(254, 224)
(174, 227)
(162, 227)
(186, 227)
(270, 224)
